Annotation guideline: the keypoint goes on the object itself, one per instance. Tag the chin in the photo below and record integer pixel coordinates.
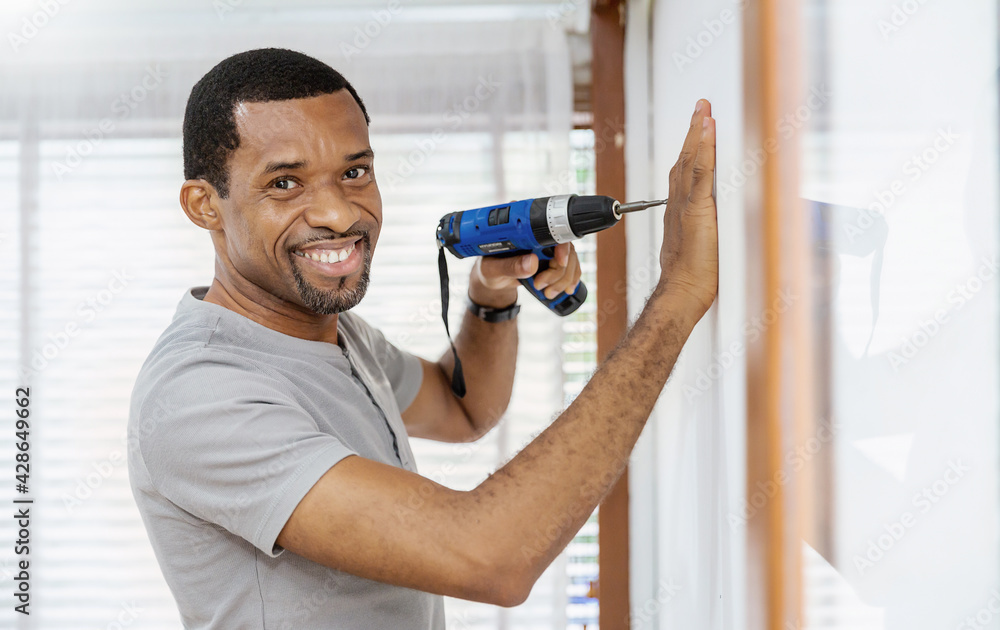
(347, 295)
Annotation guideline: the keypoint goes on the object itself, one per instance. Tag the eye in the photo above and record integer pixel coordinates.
(285, 183)
(357, 172)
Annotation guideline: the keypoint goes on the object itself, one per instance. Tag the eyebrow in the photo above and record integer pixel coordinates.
(367, 153)
(291, 166)
(283, 166)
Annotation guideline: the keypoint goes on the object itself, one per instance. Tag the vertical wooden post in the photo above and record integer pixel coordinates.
(607, 28)
(779, 366)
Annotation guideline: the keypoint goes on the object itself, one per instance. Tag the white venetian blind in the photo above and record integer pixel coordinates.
(110, 254)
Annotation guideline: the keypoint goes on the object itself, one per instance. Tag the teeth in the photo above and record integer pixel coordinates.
(330, 256)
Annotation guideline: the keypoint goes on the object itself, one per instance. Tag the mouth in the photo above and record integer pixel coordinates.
(332, 258)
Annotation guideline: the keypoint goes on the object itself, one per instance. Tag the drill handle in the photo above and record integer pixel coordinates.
(561, 304)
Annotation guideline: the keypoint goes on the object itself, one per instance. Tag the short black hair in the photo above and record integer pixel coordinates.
(255, 76)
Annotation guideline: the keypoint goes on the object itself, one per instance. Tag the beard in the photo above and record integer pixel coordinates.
(333, 301)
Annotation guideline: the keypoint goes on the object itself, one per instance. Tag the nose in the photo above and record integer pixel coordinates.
(331, 209)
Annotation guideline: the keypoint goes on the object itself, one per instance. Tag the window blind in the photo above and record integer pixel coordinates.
(133, 252)
(111, 253)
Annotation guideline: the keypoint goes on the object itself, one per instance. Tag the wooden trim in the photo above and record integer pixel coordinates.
(608, 99)
(779, 367)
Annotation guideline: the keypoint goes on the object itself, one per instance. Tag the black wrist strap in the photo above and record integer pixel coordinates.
(457, 379)
(494, 315)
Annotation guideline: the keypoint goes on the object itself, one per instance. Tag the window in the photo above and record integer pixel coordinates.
(109, 253)
(899, 173)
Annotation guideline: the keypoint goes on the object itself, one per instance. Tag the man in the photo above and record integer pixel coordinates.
(269, 426)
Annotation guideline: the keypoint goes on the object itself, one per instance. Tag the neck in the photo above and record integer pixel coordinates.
(269, 310)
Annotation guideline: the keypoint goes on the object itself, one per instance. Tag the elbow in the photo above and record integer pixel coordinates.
(481, 422)
(474, 433)
(515, 595)
(473, 428)
(506, 584)
(516, 585)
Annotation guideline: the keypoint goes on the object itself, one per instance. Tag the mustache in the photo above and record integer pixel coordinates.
(364, 233)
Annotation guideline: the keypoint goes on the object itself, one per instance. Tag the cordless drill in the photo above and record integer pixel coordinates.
(521, 227)
(533, 226)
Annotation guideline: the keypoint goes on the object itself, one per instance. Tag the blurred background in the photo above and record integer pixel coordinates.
(826, 453)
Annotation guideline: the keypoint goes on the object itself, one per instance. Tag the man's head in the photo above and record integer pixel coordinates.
(279, 167)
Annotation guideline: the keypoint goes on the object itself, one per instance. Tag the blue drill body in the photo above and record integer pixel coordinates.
(529, 226)
(479, 236)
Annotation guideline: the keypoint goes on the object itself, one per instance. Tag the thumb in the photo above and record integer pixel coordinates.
(493, 267)
(524, 266)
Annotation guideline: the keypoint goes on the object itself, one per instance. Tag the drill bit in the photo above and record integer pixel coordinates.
(635, 206)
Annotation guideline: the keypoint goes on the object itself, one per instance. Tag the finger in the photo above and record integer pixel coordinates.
(575, 283)
(682, 171)
(561, 254)
(565, 280)
(494, 268)
(561, 257)
(549, 276)
(704, 164)
(576, 280)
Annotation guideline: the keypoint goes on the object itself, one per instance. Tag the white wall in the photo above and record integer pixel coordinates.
(687, 474)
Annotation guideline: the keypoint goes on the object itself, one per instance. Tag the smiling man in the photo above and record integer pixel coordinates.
(269, 427)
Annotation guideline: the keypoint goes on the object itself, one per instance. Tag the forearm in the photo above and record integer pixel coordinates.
(488, 352)
(533, 506)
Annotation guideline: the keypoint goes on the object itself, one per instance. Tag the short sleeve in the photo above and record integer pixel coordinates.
(229, 447)
(404, 370)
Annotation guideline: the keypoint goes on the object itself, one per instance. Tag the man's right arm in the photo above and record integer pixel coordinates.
(492, 543)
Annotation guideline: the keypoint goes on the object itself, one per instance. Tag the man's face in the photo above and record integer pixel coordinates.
(304, 212)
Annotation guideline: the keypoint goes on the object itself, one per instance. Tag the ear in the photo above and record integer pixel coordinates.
(200, 202)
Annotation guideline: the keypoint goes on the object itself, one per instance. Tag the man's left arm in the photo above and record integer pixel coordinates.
(488, 351)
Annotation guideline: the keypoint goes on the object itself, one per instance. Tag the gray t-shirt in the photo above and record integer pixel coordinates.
(230, 424)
